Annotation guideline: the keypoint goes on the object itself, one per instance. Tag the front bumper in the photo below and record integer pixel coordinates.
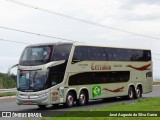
(32, 100)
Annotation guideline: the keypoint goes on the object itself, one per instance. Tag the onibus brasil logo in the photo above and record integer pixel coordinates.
(96, 91)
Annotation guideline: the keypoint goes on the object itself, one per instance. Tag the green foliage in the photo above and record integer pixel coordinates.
(141, 105)
(156, 83)
(7, 94)
(7, 81)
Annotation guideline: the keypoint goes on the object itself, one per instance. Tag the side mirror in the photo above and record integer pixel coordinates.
(10, 68)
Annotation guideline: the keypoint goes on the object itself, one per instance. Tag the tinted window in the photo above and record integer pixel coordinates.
(61, 52)
(56, 74)
(81, 53)
(111, 54)
(99, 77)
(36, 55)
(97, 53)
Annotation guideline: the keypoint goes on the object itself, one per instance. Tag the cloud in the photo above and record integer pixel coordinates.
(130, 4)
(140, 16)
(6, 62)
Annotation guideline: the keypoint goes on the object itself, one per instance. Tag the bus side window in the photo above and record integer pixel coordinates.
(61, 52)
(97, 53)
(80, 53)
(110, 55)
(54, 79)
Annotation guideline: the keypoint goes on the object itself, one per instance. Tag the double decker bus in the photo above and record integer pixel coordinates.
(69, 73)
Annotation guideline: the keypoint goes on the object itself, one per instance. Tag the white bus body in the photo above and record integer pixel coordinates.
(78, 72)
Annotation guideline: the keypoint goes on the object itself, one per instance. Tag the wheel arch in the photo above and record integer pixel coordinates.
(139, 85)
(133, 86)
(85, 89)
(73, 90)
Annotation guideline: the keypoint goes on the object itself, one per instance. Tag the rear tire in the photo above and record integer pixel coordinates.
(82, 98)
(70, 99)
(131, 93)
(138, 93)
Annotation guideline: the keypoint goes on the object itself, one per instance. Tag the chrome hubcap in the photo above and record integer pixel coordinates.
(70, 100)
(131, 94)
(82, 98)
(138, 92)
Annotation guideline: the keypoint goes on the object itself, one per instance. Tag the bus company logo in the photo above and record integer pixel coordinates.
(29, 97)
(100, 66)
(96, 91)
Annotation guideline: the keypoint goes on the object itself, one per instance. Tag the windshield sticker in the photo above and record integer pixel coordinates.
(96, 91)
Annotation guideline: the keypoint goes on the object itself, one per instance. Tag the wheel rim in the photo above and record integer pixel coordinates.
(138, 93)
(131, 94)
(70, 100)
(82, 99)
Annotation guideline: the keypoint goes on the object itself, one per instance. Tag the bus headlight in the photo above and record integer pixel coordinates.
(43, 95)
(45, 101)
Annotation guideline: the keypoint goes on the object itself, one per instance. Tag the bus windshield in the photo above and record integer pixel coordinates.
(36, 55)
(31, 80)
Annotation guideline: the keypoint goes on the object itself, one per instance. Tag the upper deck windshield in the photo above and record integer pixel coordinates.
(36, 55)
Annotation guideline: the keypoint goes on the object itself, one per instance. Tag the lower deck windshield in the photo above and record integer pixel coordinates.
(31, 80)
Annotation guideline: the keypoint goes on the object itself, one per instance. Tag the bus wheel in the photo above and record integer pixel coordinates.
(69, 99)
(82, 98)
(138, 92)
(130, 93)
(42, 106)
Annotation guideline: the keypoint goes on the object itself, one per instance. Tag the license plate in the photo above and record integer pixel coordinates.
(28, 102)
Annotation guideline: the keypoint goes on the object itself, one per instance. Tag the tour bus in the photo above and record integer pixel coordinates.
(74, 73)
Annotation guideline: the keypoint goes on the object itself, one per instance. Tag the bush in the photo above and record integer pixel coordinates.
(7, 81)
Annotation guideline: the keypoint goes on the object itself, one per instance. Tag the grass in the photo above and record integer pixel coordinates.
(156, 83)
(7, 94)
(7, 81)
(142, 105)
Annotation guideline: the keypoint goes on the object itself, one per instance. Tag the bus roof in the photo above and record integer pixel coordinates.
(45, 44)
(84, 44)
(81, 44)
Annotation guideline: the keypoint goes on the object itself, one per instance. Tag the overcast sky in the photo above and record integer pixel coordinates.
(139, 16)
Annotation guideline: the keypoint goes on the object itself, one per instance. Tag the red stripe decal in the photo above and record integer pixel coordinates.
(142, 68)
(116, 90)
